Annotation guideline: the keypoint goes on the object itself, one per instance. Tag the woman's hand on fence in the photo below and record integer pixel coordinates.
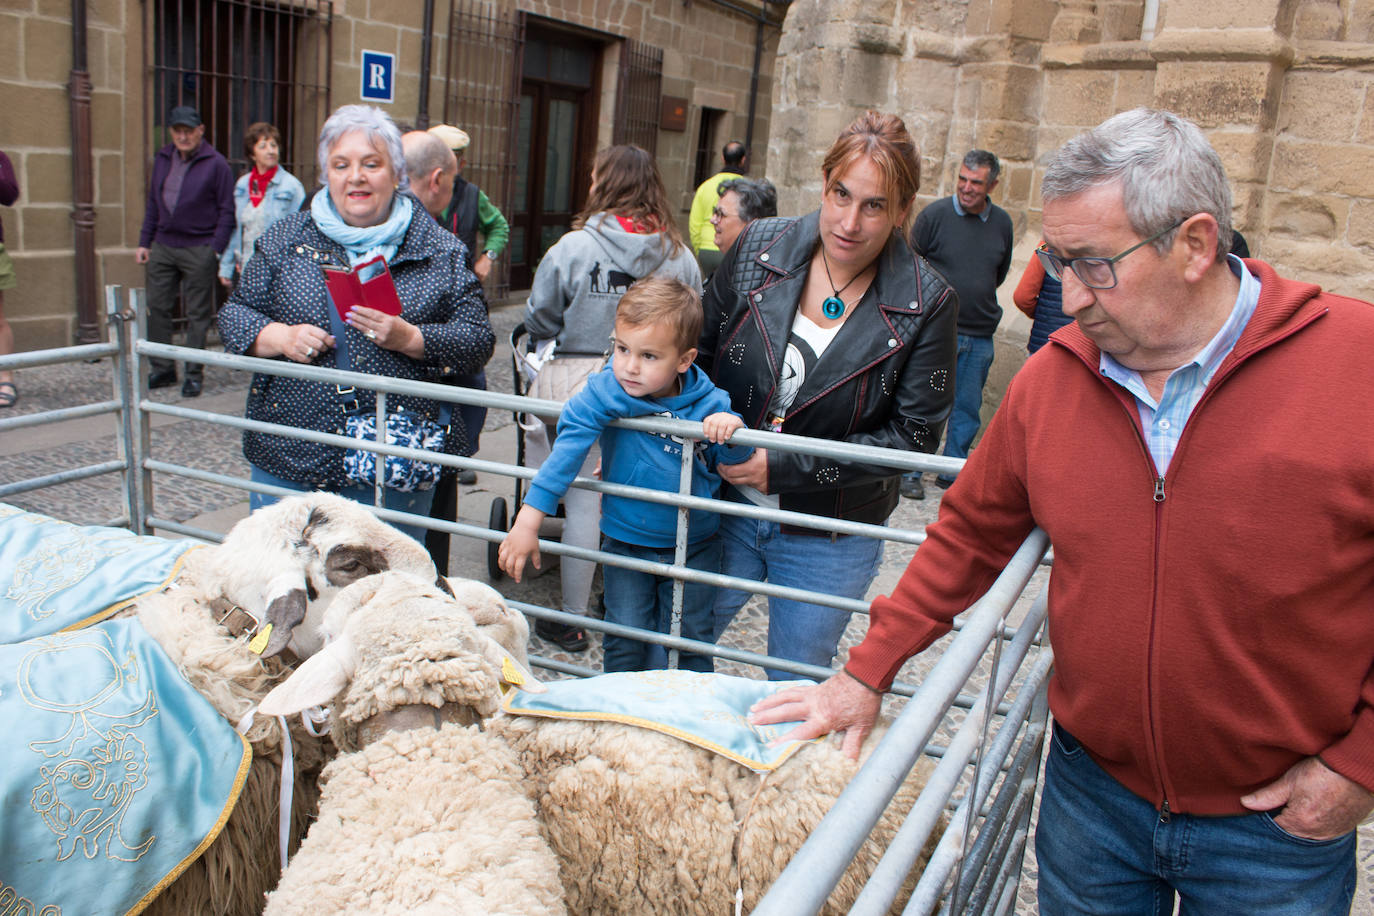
(521, 544)
(751, 472)
(840, 704)
(390, 332)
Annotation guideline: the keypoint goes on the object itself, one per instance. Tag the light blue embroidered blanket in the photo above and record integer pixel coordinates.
(708, 710)
(115, 773)
(58, 576)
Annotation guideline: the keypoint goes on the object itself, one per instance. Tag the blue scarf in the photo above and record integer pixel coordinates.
(362, 243)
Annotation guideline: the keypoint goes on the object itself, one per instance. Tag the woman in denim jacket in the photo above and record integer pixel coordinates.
(262, 195)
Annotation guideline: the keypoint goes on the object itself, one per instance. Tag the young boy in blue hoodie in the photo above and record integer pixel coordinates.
(657, 324)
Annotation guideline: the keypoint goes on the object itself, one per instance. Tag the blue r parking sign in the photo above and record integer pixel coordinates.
(379, 76)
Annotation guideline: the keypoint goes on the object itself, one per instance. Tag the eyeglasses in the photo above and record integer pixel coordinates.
(718, 213)
(1096, 273)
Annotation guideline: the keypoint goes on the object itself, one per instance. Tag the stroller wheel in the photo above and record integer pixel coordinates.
(497, 521)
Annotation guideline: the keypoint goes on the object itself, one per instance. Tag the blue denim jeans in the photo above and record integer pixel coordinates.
(1101, 849)
(416, 502)
(643, 600)
(970, 375)
(797, 630)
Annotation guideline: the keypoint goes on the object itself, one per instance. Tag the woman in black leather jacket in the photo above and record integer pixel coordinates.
(828, 326)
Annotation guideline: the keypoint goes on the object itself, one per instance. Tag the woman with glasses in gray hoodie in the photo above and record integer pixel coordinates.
(625, 232)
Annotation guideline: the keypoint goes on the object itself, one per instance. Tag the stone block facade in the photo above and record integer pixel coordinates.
(709, 57)
(1284, 90)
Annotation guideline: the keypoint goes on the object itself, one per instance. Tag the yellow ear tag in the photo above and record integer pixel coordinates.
(259, 642)
(511, 674)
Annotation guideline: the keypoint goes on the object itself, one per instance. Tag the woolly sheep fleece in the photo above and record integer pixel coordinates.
(640, 822)
(644, 823)
(284, 545)
(419, 820)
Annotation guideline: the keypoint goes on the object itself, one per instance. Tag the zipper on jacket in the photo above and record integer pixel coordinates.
(1164, 814)
(1159, 489)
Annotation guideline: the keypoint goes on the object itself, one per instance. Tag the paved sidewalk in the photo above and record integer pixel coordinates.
(32, 452)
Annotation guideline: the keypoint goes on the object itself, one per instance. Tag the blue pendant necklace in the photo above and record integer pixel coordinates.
(833, 306)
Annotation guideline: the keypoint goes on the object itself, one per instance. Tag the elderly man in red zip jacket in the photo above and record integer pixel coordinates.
(1213, 691)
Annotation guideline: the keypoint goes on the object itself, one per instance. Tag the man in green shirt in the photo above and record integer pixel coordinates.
(736, 159)
(470, 211)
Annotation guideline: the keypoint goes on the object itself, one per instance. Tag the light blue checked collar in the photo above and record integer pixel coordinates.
(1163, 421)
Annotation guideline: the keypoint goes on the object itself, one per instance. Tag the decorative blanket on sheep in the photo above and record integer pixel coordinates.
(708, 710)
(58, 576)
(116, 773)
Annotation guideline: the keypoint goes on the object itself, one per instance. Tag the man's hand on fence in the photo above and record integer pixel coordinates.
(841, 703)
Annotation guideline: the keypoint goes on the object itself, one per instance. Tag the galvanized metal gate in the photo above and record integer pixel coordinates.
(977, 704)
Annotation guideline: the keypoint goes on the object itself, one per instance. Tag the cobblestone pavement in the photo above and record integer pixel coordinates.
(31, 452)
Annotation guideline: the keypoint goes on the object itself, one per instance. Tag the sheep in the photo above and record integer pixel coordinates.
(640, 822)
(283, 564)
(420, 814)
(645, 823)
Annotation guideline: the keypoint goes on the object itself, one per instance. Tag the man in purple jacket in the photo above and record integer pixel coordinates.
(188, 221)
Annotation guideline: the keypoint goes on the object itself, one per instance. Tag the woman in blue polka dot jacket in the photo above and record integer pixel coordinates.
(281, 309)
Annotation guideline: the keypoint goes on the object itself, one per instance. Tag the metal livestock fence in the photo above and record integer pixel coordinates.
(976, 702)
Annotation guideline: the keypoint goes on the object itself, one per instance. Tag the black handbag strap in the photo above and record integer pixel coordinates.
(348, 398)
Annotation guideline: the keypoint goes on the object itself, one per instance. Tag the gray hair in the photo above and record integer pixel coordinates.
(376, 125)
(982, 159)
(757, 199)
(425, 154)
(1165, 166)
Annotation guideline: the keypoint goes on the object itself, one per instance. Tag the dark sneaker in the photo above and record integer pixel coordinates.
(944, 484)
(191, 388)
(164, 379)
(566, 637)
(467, 477)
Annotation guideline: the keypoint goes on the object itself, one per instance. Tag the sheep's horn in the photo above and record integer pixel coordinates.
(285, 613)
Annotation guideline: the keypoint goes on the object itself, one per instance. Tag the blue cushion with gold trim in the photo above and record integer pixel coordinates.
(116, 773)
(708, 710)
(58, 576)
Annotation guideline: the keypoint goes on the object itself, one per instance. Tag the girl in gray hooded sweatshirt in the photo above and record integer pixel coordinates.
(624, 233)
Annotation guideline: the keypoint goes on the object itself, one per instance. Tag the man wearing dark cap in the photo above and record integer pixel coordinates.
(187, 223)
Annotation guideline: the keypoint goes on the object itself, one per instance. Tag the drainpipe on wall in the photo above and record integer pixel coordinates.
(426, 51)
(83, 182)
(1150, 21)
(761, 19)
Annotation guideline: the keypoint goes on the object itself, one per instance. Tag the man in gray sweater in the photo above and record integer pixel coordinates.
(967, 238)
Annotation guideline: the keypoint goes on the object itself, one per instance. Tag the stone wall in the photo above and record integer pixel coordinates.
(1282, 87)
(708, 59)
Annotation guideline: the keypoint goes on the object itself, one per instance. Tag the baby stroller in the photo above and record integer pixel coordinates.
(533, 438)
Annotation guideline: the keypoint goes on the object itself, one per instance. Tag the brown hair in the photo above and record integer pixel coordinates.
(664, 301)
(256, 132)
(626, 183)
(884, 139)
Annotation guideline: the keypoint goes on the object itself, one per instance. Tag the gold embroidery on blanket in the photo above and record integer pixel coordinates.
(11, 902)
(59, 562)
(91, 771)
